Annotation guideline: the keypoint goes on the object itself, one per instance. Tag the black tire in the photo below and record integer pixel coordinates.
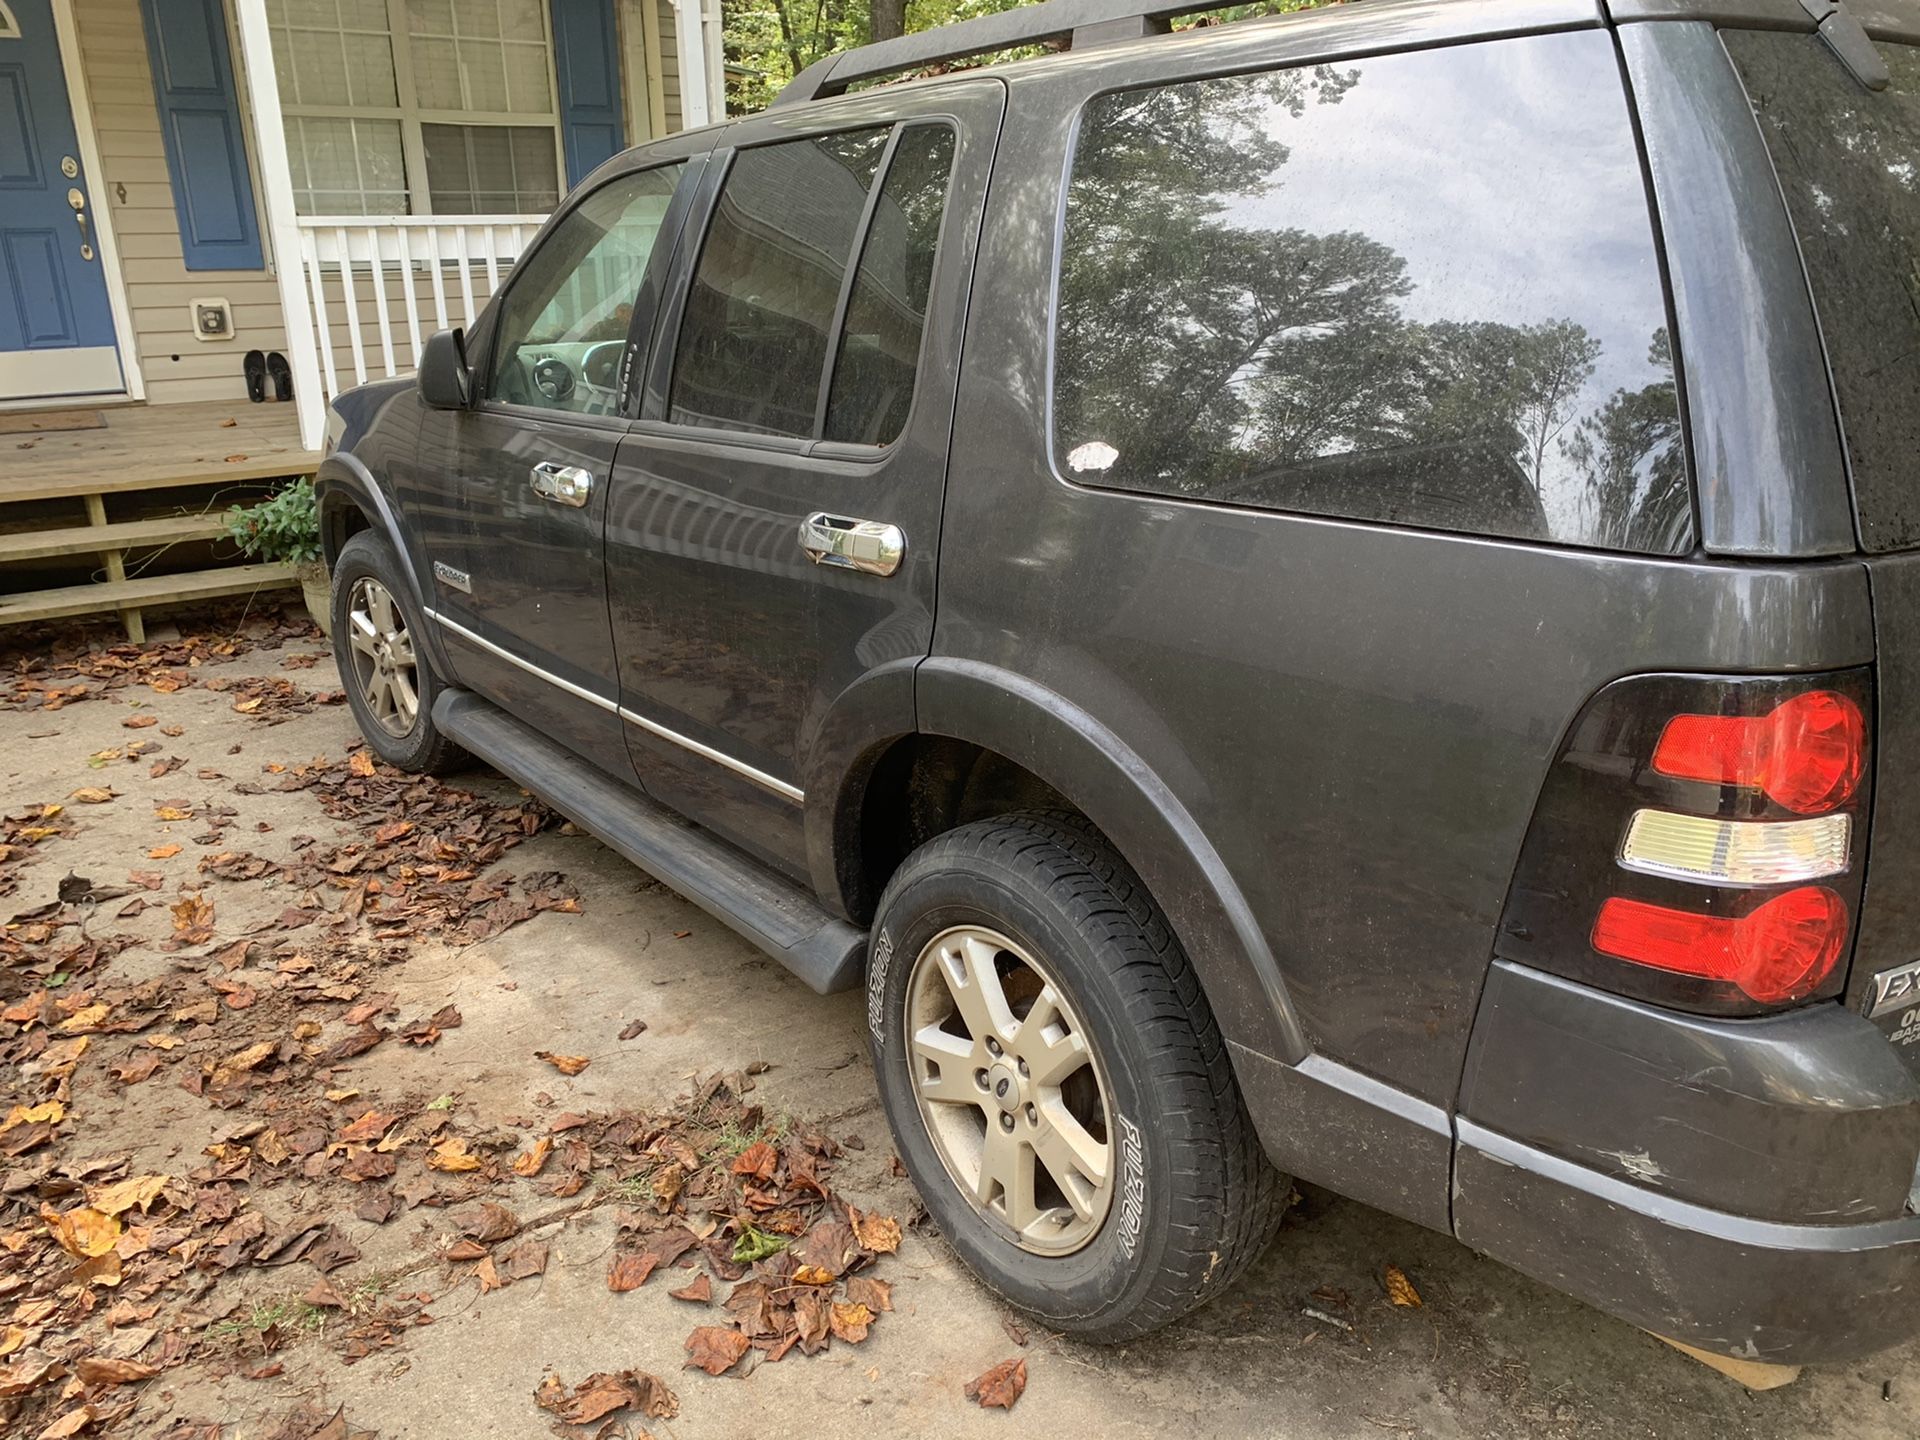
(1196, 1198)
(421, 749)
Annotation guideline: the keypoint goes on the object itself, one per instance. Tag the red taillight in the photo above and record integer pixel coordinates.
(1806, 753)
(1777, 953)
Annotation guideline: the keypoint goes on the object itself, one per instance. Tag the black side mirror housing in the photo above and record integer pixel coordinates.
(446, 382)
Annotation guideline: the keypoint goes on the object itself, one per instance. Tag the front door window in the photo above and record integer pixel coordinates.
(564, 324)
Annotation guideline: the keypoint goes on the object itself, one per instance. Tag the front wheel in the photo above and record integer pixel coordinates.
(389, 684)
(1056, 1082)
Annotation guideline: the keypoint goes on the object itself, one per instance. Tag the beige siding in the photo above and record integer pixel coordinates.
(177, 367)
(669, 63)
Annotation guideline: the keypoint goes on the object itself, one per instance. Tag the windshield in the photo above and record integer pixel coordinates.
(1849, 159)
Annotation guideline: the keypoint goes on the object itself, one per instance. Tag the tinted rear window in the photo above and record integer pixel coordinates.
(1850, 162)
(1418, 289)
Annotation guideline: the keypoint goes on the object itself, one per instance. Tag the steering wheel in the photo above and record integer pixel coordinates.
(553, 378)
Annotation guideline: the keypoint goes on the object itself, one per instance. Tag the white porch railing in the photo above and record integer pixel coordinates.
(377, 286)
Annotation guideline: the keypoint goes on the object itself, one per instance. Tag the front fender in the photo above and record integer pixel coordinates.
(342, 488)
(1086, 762)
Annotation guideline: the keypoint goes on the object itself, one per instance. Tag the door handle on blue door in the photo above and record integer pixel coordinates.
(872, 547)
(562, 484)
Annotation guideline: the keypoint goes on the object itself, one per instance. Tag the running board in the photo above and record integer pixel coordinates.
(764, 907)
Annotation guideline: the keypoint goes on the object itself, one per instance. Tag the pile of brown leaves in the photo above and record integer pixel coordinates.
(61, 669)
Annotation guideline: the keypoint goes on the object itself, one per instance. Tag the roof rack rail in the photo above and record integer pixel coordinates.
(1081, 23)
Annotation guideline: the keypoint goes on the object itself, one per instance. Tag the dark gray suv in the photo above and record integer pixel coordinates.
(1333, 596)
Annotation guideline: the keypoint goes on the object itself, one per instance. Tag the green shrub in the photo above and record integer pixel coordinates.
(284, 527)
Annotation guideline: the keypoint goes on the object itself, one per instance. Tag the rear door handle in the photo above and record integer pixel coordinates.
(562, 484)
(872, 547)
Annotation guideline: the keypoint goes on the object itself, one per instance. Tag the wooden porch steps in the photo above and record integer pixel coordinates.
(130, 596)
(153, 476)
(122, 535)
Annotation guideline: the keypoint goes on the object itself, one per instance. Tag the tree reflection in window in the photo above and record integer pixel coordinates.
(1417, 289)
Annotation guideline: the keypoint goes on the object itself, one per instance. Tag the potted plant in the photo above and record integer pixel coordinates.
(285, 527)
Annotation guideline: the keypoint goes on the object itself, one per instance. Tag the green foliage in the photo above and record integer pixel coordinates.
(768, 42)
(283, 528)
(755, 1245)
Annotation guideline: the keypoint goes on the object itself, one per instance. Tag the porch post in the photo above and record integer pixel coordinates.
(276, 186)
(692, 44)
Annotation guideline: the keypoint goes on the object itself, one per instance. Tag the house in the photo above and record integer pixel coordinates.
(185, 181)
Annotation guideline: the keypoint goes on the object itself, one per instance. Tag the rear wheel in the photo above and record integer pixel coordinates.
(390, 687)
(1056, 1082)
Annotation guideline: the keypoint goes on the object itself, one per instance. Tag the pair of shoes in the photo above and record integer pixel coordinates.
(258, 367)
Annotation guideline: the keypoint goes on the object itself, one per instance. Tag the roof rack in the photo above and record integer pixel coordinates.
(1081, 23)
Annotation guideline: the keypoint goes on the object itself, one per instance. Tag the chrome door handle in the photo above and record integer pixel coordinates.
(872, 547)
(562, 484)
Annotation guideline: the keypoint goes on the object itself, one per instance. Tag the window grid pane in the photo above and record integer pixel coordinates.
(346, 167)
(466, 58)
(491, 169)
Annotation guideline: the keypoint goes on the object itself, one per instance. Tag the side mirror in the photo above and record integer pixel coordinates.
(446, 383)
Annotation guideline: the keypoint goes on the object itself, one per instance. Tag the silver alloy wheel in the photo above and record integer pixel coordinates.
(1010, 1089)
(383, 663)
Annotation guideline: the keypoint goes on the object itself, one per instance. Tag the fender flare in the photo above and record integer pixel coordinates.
(1114, 788)
(343, 483)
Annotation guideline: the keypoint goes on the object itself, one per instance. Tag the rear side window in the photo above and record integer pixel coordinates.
(1849, 160)
(773, 281)
(1418, 289)
(880, 344)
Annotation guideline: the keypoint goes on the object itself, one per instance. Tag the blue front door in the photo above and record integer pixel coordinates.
(56, 330)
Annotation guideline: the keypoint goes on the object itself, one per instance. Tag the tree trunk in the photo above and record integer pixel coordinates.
(786, 36)
(889, 18)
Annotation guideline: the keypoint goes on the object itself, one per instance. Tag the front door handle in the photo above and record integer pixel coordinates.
(872, 547)
(562, 484)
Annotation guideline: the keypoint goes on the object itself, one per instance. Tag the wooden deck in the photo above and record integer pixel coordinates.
(150, 447)
(91, 493)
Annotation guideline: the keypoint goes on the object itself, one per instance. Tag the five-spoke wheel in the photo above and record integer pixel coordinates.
(1010, 1088)
(383, 659)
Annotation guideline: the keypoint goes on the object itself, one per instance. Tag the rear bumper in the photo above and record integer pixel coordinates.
(1738, 1185)
(1756, 1289)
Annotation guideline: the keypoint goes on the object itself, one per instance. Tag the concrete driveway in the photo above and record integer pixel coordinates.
(1308, 1344)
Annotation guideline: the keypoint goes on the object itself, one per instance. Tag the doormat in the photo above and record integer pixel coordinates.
(34, 422)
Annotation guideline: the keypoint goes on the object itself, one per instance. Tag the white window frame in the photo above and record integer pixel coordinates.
(411, 118)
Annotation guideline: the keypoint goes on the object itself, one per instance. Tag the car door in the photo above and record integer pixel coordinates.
(774, 524)
(524, 608)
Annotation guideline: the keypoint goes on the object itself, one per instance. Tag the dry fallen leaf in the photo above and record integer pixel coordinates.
(699, 1289)
(530, 1164)
(878, 1233)
(361, 764)
(163, 852)
(451, 1155)
(715, 1348)
(83, 1232)
(99, 1370)
(193, 918)
(1400, 1289)
(602, 1394)
(1000, 1386)
(92, 795)
(849, 1322)
(140, 722)
(565, 1064)
(171, 812)
(133, 1194)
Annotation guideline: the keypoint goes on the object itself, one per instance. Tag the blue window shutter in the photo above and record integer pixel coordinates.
(200, 123)
(586, 61)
